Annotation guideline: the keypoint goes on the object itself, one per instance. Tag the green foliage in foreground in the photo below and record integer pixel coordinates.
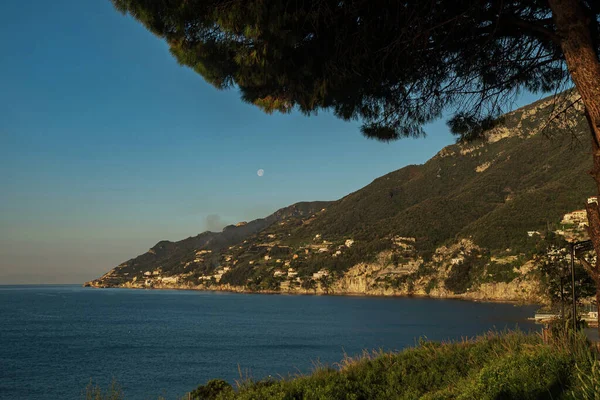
(95, 392)
(493, 366)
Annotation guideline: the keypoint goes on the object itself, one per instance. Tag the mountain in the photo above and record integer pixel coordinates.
(470, 222)
(172, 256)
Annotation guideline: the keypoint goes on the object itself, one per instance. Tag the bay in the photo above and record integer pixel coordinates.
(54, 339)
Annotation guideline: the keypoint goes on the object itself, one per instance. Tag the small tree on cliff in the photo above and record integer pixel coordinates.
(555, 262)
(395, 65)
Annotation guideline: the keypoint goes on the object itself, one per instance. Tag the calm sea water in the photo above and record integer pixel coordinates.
(54, 339)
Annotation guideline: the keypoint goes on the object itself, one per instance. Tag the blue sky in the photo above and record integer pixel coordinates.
(108, 146)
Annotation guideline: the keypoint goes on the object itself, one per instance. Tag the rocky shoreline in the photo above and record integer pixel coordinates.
(476, 296)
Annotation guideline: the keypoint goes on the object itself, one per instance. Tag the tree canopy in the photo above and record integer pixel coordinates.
(395, 65)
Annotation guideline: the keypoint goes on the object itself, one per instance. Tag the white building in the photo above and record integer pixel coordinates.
(322, 273)
(292, 272)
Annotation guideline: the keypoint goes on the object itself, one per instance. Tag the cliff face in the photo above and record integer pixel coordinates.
(471, 223)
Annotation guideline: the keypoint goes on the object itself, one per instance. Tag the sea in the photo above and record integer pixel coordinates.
(54, 340)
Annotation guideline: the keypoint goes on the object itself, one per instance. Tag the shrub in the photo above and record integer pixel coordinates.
(432, 284)
(212, 390)
(463, 276)
(494, 366)
(523, 376)
(95, 392)
(587, 386)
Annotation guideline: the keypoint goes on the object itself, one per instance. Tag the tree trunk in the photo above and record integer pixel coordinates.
(573, 29)
(593, 213)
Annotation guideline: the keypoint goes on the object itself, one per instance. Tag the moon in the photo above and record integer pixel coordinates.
(260, 172)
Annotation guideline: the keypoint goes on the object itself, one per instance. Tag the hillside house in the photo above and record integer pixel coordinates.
(349, 242)
(278, 273)
(575, 217)
(321, 274)
(291, 272)
(532, 233)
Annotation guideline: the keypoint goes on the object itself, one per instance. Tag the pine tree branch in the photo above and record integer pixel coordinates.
(533, 27)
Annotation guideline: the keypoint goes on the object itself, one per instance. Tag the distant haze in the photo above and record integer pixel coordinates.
(215, 223)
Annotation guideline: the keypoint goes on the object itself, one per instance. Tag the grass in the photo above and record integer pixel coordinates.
(494, 366)
(510, 365)
(95, 392)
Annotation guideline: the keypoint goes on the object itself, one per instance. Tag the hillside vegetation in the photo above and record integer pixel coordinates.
(471, 222)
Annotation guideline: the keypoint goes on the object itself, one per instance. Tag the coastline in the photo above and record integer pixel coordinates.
(304, 292)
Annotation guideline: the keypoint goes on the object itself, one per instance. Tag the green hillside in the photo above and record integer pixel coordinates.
(408, 226)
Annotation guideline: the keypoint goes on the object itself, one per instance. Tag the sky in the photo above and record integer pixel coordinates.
(107, 146)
